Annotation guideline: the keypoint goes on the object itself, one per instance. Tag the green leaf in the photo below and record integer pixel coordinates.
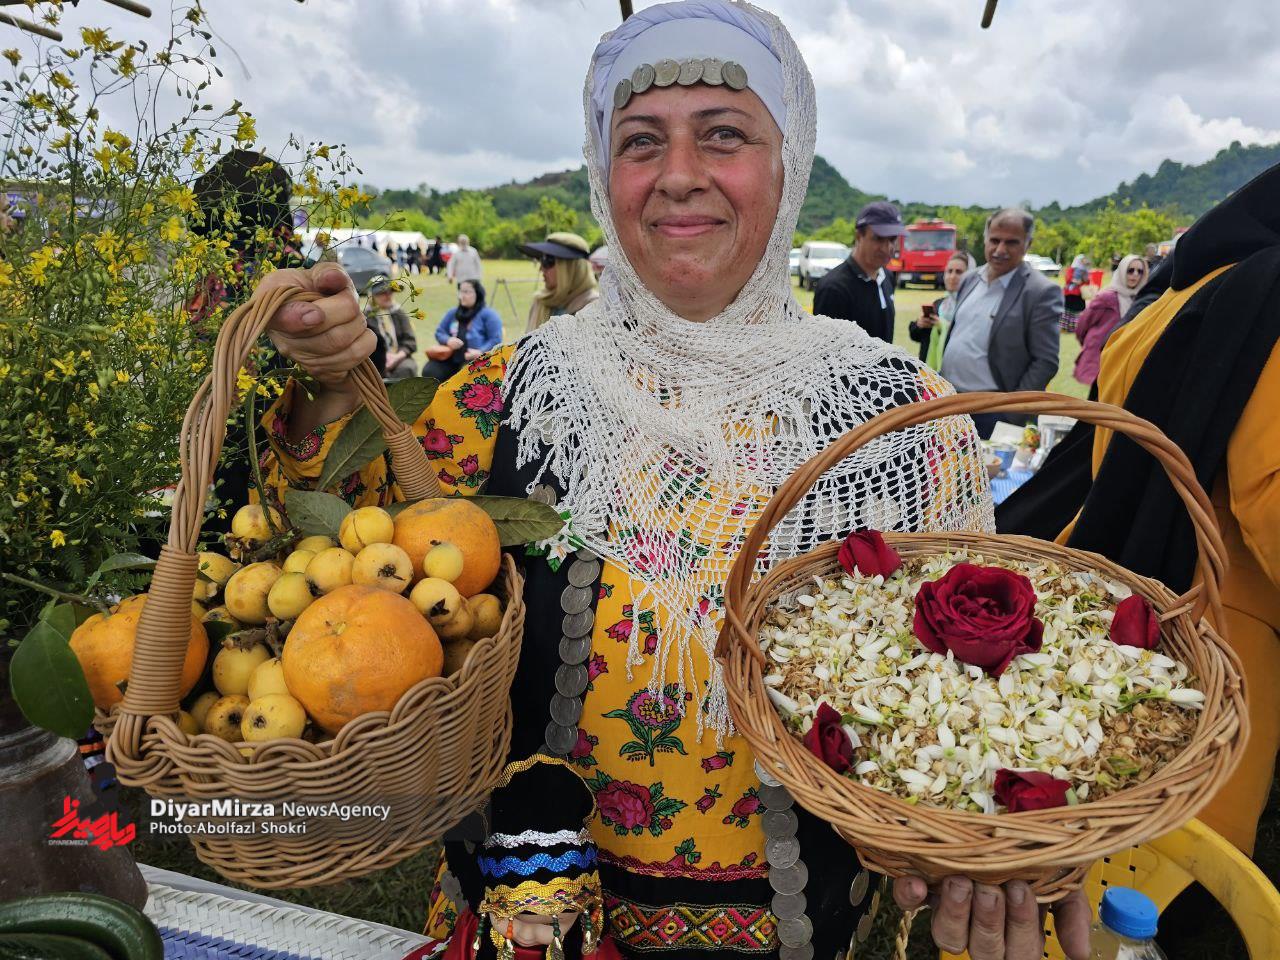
(315, 513)
(48, 684)
(62, 618)
(520, 520)
(218, 630)
(361, 439)
(397, 508)
(121, 561)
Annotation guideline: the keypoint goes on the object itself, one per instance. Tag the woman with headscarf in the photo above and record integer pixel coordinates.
(466, 332)
(930, 331)
(1104, 313)
(660, 419)
(568, 282)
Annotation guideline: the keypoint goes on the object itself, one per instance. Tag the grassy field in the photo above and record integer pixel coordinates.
(510, 285)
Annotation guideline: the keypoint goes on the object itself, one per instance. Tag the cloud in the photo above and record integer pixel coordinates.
(1061, 99)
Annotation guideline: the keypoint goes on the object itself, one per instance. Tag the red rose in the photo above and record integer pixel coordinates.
(483, 397)
(706, 801)
(746, 806)
(596, 666)
(1135, 624)
(1022, 790)
(436, 440)
(866, 552)
(624, 803)
(827, 740)
(469, 464)
(717, 761)
(984, 615)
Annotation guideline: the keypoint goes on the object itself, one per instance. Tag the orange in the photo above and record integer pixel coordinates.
(452, 520)
(104, 646)
(356, 650)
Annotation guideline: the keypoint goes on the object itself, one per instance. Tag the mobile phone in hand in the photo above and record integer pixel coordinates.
(929, 311)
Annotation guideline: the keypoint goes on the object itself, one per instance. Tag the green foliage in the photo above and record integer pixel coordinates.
(830, 197)
(1188, 191)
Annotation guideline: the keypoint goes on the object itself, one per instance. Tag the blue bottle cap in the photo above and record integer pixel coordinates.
(1129, 913)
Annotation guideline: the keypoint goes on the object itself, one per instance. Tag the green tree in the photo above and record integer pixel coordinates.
(473, 214)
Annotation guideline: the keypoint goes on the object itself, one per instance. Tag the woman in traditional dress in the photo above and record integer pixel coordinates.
(660, 420)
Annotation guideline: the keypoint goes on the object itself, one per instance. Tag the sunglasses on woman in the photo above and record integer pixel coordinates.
(547, 261)
(1135, 270)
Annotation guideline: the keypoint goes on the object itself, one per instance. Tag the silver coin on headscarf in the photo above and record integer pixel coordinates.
(735, 75)
(713, 71)
(690, 73)
(665, 72)
(642, 78)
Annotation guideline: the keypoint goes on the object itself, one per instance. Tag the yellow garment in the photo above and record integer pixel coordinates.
(667, 805)
(1246, 497)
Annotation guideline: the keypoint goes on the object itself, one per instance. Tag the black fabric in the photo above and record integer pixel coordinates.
(1044, 505)
(1193, 385)
(846, 293)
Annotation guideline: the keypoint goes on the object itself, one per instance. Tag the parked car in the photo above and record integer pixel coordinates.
(795, 262)
(817, 258)
(362, 264)
(1046, 265)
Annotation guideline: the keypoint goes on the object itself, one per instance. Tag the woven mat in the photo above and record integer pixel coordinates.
(205, 921)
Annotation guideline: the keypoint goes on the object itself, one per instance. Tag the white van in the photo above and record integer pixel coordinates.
(817, 258)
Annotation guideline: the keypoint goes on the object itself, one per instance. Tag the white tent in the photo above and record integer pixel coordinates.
(364, 236)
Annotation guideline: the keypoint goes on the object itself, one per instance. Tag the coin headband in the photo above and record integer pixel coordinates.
(665, 73)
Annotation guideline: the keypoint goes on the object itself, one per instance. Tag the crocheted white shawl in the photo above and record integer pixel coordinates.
(668, 436)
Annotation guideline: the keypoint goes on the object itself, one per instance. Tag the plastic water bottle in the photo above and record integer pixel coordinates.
(1125, 927)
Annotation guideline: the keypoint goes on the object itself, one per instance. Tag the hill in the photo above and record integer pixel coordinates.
(1187, 191)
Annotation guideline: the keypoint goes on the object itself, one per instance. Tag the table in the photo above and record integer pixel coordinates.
(1004, 485)
(199, 920)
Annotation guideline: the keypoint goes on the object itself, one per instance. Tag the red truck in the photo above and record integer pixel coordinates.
(924, 251)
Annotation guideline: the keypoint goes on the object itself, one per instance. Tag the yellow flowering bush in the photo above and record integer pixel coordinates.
(103, 252)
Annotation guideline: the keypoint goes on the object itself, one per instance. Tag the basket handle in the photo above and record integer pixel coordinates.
(164, 627)
(1211, 560)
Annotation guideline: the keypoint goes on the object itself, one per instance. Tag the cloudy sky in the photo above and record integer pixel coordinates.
(1060, 100)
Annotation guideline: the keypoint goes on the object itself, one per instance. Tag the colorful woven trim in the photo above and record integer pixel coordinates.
(578, 894)
(687, 926)
(583, 859)
(537, 837)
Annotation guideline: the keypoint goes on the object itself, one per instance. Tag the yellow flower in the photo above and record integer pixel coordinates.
(117, 139)
(13, 56)
(125, 64)
(61, 143)
(68, 366)
(6, 273)
(247, 131)
(181, 197)
(121, 377)
(107, 243)
(41, 260)
(95, 391)
(142, 427)
(58, 538)
(96, 38)
(77, 481)
(61, 80)
(172, 230)
(104, 155)
(323, 152)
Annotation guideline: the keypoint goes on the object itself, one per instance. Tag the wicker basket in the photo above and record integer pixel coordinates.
(433, 758)
(1052, 848)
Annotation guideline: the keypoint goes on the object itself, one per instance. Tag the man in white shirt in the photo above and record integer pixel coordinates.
(465, 262)
(1005, 334)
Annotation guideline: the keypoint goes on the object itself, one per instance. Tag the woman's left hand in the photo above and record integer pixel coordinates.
(996, 923)
(472, 354)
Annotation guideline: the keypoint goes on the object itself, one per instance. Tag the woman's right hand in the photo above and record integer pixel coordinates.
(328, 337)
(455, 343)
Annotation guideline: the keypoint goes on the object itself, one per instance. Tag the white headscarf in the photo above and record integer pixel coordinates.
(1120, 284)
(669, 436)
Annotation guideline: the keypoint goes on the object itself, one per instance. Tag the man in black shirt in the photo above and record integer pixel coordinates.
(860, 289)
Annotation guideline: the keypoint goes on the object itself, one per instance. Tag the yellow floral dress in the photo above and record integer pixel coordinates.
(671, 808)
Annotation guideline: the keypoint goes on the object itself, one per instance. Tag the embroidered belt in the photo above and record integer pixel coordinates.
(747, 928)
